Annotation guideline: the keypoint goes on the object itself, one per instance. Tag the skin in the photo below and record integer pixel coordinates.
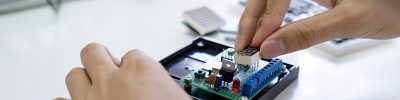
(260, 24)
(135, 77)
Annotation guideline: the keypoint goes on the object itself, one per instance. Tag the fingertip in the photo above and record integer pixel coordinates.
(132, 54)
(238, 48)
(91, 47)
(254, 40)
(96, 51)
(243, 41)
(136, 61)
(78, 83)
(271, 48)
(254, 44)
(240, 43)
(97, 62)
(133, 57)
(91, 50)
(73, 74)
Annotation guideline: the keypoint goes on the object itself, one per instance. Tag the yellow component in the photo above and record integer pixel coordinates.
(211, 78)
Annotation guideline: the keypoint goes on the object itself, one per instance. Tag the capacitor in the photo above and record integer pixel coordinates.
(236, 85)
(187, 86)
(211, 78)
(218, 82)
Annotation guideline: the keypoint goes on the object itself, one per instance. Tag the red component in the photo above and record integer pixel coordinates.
(236, 85)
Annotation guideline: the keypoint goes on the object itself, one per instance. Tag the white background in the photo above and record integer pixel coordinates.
(39, 47)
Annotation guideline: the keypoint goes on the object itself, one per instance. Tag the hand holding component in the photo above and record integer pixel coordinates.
(261, 21)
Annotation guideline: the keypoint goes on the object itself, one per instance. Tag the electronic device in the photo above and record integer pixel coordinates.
(207, 69)
(203, 20)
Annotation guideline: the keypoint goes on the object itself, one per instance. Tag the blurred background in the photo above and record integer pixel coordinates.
(40, 41)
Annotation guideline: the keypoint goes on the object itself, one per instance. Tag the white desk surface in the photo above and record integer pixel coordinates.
(38, 48)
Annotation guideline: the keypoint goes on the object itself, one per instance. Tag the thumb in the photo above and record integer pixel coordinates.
(303, 34)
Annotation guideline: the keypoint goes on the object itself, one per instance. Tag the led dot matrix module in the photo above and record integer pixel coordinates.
(222, 73)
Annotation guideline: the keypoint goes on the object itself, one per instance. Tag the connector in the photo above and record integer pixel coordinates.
(262, 78)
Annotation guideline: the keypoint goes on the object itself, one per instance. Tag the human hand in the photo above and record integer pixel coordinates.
(261, 21)
(136, 77)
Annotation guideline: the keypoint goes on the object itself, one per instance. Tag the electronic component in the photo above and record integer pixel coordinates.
(203, 20)
(187, 86)
(228, 54)
(211, 78)
(236, 85)
(228, 66)
(214, 85)
(200, 74)
(227, 76)
(218, 82)
(248, 56)
(262, 78)
(227, 70)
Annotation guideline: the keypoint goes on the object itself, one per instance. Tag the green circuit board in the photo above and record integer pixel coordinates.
(243, 73)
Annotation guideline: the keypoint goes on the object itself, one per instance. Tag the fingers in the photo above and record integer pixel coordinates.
(271, 20)
(248, 22)
(138, 62)
(98, 62)
(303, 34)
(138, 71)
(78, 83)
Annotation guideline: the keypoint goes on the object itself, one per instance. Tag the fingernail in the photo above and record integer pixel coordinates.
(237, 44)
(272, 48)
(236, 48)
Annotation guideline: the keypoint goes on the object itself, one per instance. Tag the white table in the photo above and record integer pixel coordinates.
(38, 48)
